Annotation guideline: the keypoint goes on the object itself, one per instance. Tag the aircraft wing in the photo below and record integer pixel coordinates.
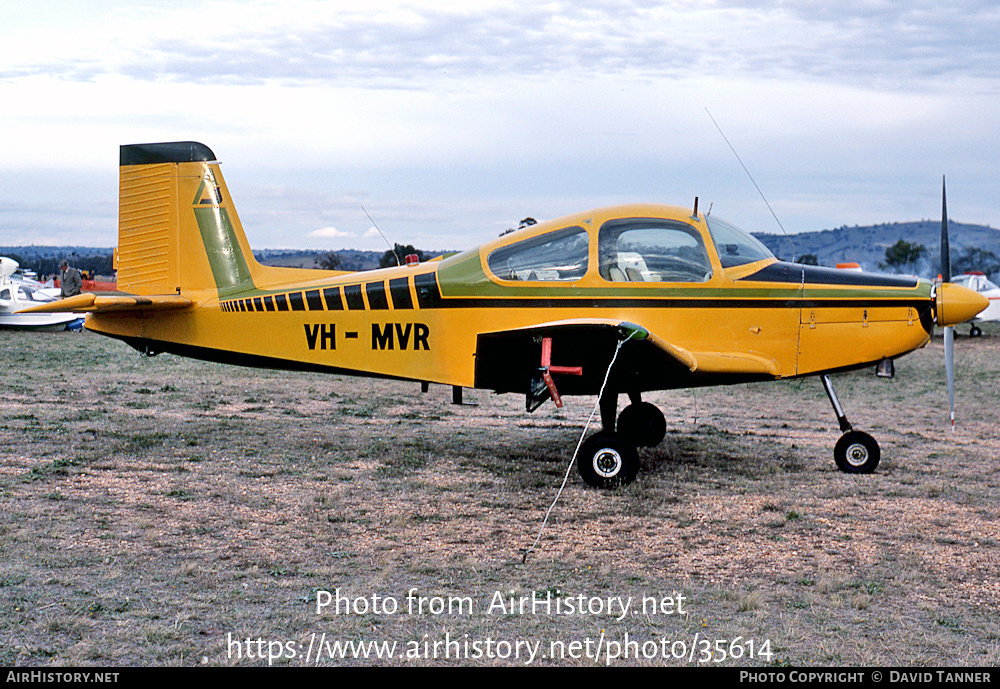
(509, 360)
(92, 303)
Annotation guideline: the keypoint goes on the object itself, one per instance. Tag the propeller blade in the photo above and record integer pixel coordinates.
(949, 368)
(949, 332)
(945, 249)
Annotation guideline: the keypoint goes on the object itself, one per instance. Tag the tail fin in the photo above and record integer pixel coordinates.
(177, 228)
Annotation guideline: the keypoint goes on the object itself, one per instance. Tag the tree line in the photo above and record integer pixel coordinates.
(96, 264)
(908, 257)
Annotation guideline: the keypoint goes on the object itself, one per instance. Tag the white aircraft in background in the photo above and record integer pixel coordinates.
(978, 282)
(17, 294)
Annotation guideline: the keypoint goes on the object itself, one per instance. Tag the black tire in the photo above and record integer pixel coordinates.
(605, 461)
(976, 331)
(643, 424)
(856, 453)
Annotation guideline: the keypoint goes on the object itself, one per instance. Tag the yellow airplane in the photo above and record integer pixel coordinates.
(614, 301)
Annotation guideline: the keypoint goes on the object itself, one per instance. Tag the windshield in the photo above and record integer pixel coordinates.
(735, 246)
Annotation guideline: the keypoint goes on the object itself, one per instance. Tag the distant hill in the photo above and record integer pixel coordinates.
(350, 259)
(867, 245)
(44, 260)
(55, 253)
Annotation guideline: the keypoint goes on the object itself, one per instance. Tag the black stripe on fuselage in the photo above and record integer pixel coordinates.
(352, 295)
(377, 300)
(815, 275)
(399, 289)
(332, 296)
(428, 293)
(314, 301)
(354, 300)
(670, 303)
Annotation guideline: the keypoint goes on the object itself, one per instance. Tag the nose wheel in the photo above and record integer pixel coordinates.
(856, 452)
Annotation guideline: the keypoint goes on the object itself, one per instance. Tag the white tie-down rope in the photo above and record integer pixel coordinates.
(569, 468)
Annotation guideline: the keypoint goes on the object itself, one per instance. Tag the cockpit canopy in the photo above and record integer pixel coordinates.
(975, 281)
(659, 250)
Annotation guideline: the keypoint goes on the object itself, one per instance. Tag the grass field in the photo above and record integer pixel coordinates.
(172, 512)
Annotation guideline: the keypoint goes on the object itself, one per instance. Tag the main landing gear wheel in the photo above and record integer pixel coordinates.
(643, 423)
(856, 453)
(975, 331)
(605, 461)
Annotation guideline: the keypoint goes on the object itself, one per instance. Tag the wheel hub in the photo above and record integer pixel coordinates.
(607, 463)
(857, 454)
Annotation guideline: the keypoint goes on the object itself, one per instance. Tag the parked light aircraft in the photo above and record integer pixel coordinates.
(978, 282)
(673, 297)
(17, 294)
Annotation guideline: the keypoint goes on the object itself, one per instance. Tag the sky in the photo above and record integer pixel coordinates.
(450, 121)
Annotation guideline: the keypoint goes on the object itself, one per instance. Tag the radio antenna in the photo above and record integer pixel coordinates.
(391, 247)
(754, 182)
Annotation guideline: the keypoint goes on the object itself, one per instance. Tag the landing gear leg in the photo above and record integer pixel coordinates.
(609, 410)
(845, 425)
(856, 452)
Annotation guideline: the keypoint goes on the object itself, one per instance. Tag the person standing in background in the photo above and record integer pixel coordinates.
(71, 283)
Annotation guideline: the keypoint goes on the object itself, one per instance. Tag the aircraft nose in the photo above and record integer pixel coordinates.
(956, 304)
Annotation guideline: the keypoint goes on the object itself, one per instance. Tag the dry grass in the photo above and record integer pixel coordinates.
(154, 506)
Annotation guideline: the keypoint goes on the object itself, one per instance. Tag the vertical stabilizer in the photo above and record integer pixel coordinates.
(177, 228)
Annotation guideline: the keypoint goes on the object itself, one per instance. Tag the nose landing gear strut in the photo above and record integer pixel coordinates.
(856, 452)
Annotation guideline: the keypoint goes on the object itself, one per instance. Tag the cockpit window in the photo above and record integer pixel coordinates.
(735, 246)
(652, 250)
(557, 256)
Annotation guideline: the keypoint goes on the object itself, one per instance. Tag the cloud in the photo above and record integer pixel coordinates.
(330, 232)
(450, 122)
(405, 44)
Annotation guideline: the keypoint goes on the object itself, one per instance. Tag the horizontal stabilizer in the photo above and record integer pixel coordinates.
(92, 303)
